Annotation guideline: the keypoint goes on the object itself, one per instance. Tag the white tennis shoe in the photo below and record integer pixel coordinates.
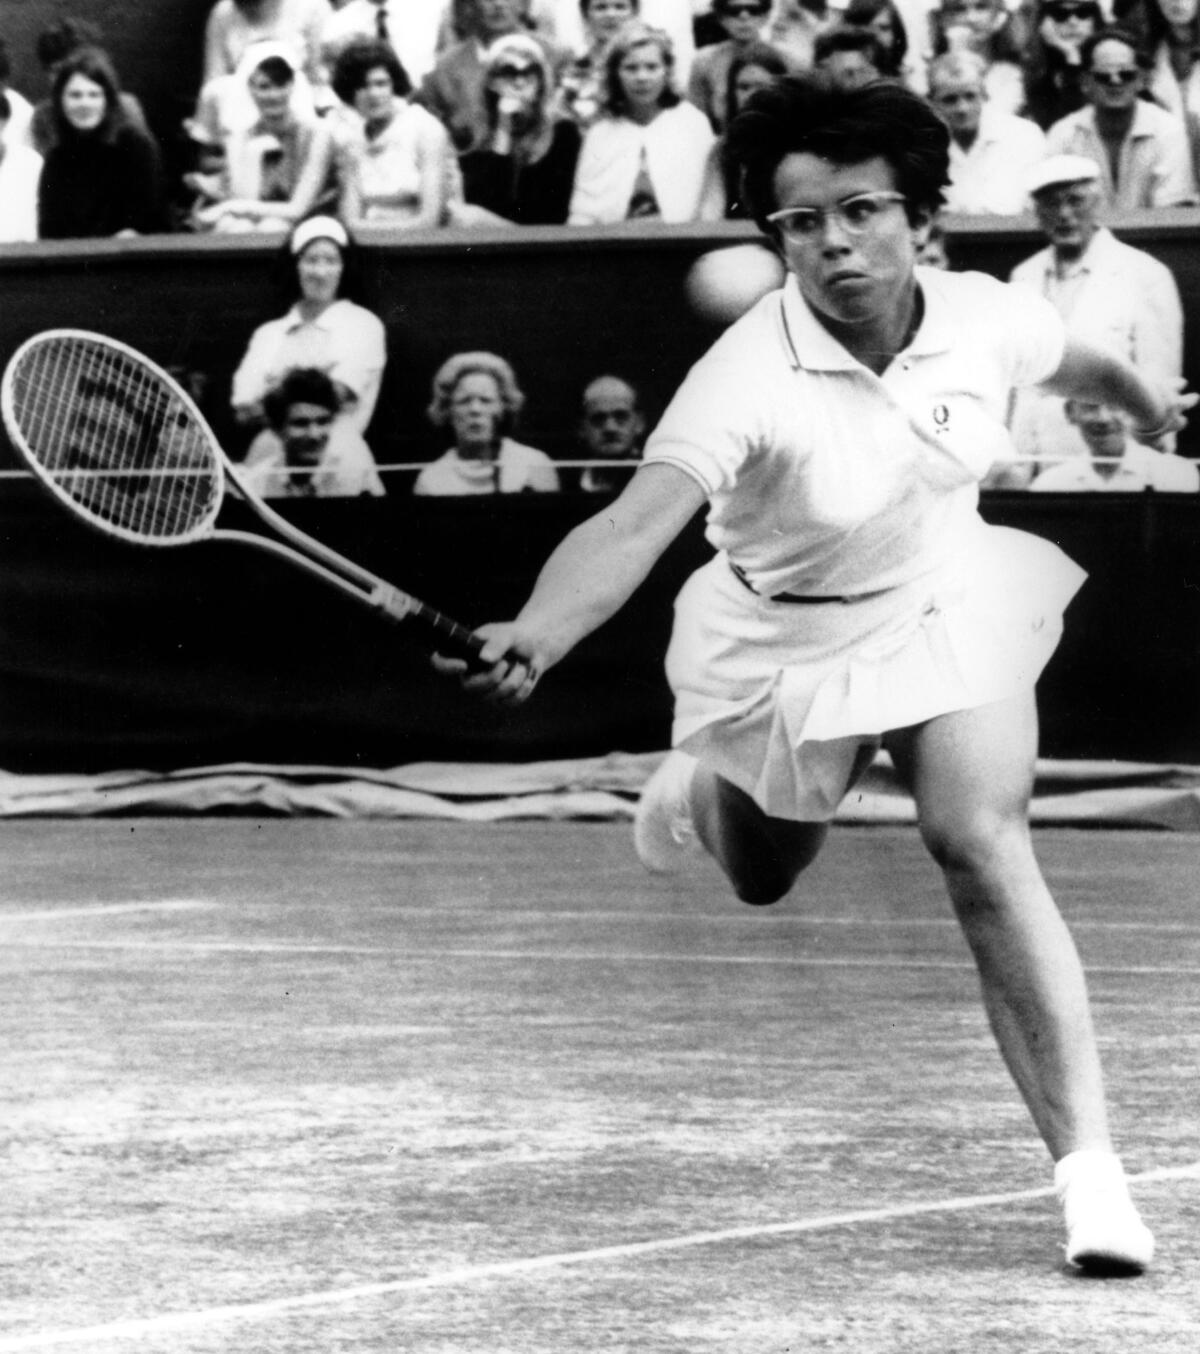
(1105, 1232)
(664, 834)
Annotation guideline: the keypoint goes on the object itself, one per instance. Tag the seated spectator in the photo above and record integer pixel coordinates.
(225, 106)
(884, 20)
(20, 110)
(991, 153)
(233, 25)
(454, 91)
(103, 175)
(524, 172)
(20, 170)
(708, 83)
(581, 81)
(750, 70)
(1053, 65)
(848, 57)
(1114, 461)
(276, 170)
(394, 167)
(794, 26)
(1107, 292)
(411, 26)
(611, 428)
(990, 30)
(648, 155)
(476, 396)
(55, 43)
(1141, 150)
(324, 327)
(1172, 32)
(314, 454)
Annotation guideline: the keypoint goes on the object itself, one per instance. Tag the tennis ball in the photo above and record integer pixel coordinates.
(724, 283)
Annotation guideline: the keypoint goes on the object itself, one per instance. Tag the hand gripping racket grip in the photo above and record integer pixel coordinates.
(443, 634)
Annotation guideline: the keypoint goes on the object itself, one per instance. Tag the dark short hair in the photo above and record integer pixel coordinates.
(277, 70)
(848, 38)
(1115, 33)
(93, 64)
(358, 59)
(301, 385)
(806, 114)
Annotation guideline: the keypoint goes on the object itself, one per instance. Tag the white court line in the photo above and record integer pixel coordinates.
(557, 956)
(109, 909)
(466, 1274)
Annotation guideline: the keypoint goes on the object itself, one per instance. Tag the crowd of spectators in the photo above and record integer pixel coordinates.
(507, 113)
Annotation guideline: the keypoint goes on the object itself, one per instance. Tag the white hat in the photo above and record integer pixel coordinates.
(1059, 169)
(319, 228)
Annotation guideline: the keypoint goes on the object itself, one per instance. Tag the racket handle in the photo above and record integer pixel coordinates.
(443, 634)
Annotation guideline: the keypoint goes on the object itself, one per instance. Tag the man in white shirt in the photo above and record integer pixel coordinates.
(1115, 463)
(991, 152)
(411, 26)
(1107, 291)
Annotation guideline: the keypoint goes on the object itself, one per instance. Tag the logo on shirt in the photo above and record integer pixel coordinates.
(941, 418)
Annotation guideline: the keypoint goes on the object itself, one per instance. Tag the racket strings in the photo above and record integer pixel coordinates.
(116, 438)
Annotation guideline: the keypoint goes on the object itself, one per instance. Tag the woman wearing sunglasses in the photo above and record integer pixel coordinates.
(1052, 66)
(837, 434)
(524, 171)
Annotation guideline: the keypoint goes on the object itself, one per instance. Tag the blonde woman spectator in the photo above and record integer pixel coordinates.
(396, 167)
(476, 396)
(323, 327)
(233, 25)
(20, 169)
(277, 169)
(648, 155)
(524, 172)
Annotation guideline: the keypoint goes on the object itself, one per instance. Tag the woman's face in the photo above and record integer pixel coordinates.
(1178, 13)
(1068, 24)
(319, 271)
(84, 103)
(978, 19)
(373, 100)
(643, 76)
(748, 80)
(271, 100)
(604, 17)
(476, 408)
(517, 84)
(883, 26)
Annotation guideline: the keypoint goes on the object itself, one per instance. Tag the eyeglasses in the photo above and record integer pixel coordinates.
(515, 72)
(1115, 79)
(857, 215)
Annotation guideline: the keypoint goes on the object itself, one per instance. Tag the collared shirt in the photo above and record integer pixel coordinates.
(825, 478)
(1154, 167)
(517, 469)
(346, 340)
(989, 179)
(1139, 468)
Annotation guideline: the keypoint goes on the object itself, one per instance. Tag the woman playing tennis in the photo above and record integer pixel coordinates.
(838, 433)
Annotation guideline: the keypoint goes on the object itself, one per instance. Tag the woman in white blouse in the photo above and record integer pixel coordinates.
(646, 155)
(323, 329)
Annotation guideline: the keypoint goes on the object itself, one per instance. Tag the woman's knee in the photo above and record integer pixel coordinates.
(974, 840)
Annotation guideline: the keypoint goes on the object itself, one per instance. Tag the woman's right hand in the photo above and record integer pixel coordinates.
(508, 668)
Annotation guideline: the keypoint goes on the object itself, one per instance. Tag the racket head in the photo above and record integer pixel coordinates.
(113, 437)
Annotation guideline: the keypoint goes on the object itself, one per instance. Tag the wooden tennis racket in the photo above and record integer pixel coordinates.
(115, 439)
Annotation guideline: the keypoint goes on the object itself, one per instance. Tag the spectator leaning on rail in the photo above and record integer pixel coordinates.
(394, 159)
(612, 428)
(274, 171)
(1141, 150)
(325, 327)
(476, 396)
(103, 176)
(992, 153)
(524, 170)
(1108, 292)
(315, 455)
(20, 170)
(647, 156)
(1115, 462)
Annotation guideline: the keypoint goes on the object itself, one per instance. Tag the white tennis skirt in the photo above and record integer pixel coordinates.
(788, 700)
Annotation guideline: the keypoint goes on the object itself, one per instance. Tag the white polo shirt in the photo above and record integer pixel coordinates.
(825, 478)
(1139, 468)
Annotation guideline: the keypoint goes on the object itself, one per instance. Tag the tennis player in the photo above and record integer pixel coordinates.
(838, 433)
